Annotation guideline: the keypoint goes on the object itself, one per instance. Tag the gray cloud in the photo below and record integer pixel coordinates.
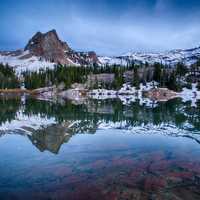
(105, 28)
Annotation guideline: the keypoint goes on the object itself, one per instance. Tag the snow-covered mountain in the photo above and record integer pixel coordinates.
(22, 61)
(187, 56)
(44, 50)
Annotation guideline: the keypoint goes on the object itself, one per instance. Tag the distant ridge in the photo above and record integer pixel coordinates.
(186, 56)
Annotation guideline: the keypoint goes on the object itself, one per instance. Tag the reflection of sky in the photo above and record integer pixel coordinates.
(105, 144)
(108, 27)
(88, 156)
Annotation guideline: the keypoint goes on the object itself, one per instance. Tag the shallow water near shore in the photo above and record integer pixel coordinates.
(99, 150)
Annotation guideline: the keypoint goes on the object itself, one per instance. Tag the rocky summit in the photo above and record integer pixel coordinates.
(51, 48)
(48, 46)
(44, 50)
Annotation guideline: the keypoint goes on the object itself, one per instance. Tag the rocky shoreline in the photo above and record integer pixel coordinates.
(161, 94)
(78, 92)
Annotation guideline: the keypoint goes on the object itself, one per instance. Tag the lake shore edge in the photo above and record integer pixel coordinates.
(149, 92)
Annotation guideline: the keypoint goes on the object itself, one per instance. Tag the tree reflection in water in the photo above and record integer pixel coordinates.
(71, 119)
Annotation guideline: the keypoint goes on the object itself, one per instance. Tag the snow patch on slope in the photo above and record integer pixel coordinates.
(188, 56)
(20, 64)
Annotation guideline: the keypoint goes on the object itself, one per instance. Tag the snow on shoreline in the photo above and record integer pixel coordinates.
(128, 94)
(192, 95)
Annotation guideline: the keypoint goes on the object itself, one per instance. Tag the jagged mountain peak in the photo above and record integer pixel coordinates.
(49, 47)
(44, 50)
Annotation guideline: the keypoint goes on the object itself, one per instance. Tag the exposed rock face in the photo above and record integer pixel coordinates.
(144, 73)
(48, 46)
(51, 48)
(89, 57)
(105, 78)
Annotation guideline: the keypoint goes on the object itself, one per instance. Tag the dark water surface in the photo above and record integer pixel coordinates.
(99, 150)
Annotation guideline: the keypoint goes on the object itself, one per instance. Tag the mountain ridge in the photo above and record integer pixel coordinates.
(172, 57)
(44, 50)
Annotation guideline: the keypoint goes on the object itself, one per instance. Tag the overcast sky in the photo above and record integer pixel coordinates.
(108, 27)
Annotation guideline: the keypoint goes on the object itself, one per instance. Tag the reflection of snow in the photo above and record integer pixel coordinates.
(127, 94)
(192, 95)
(164, 128)
(24, 122)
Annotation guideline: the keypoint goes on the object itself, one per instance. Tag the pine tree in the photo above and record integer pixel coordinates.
(198, 85)
(172, 83)
(136, 79)
(181, 69)
(8, 78)
(157, 72)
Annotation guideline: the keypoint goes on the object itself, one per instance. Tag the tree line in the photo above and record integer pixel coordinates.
(8, 78)
(173, 78)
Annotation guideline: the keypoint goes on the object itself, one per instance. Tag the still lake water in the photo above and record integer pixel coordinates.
(100, 150)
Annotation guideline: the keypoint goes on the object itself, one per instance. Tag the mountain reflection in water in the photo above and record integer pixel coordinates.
(178, 118)
(99, 150)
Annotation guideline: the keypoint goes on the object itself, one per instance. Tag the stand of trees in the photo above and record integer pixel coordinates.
(71, 74)
(67, 75)
(198, 85)
(8, 79)
(166, 76)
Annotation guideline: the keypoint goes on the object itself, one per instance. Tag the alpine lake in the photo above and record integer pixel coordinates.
(99, 150)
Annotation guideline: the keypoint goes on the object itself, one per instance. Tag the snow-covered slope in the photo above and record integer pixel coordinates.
(43, 51)
(25, 61)
(21, 63)
(187, 56)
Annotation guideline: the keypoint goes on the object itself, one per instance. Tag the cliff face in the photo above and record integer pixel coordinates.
(51, 48)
